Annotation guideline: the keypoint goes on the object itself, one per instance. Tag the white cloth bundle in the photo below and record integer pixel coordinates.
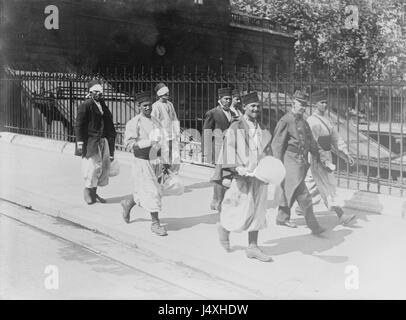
(172, 184)
(269, 170)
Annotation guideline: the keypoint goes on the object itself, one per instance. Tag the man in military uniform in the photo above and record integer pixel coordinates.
(292, 142)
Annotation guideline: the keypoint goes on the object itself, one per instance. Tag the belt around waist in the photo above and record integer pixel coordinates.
(144, 153)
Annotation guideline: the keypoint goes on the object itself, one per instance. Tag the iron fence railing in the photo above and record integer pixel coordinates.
(370, 116)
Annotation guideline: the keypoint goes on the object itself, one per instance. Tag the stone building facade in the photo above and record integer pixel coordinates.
(169, 33)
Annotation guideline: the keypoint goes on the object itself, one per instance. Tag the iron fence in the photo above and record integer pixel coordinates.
(369, 116)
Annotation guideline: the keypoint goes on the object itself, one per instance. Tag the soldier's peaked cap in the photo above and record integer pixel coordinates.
(224, 92)
(251, 97)
(143, 96)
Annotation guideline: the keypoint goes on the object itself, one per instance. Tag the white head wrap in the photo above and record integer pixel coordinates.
(96, 87)
(162, 91)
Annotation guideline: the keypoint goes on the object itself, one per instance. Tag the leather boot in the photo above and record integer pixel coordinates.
(346, 218)
(88, 196)
(158, 229)
(127, 205)
(97, 197)
(343, 218)
(253, 252)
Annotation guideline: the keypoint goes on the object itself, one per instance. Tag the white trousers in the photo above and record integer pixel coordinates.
(96, 168)
(147, 191)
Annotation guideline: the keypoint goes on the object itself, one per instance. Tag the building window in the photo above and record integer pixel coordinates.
(198, 1)
(245, 63)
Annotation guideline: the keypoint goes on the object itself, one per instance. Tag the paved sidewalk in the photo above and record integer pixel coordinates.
(304, 266)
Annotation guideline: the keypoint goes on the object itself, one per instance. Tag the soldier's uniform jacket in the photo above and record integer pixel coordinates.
(91, 126)
(292, 142)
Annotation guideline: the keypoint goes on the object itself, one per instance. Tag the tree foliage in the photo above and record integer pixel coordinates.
(374, 50)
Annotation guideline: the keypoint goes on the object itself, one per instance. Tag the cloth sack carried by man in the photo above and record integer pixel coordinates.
(171, 184)
(270, 170)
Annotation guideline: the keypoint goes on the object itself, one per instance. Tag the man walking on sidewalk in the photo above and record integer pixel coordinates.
(245, 202)
(164, 111)
(327, 137)
(95, 141)
(292, 142)
(143, 136)
(217, 121)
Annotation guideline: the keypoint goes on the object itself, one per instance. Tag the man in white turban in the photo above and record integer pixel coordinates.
(95, 141)
(163, 110)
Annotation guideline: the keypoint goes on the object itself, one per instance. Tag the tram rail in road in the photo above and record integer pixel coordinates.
(182, 280)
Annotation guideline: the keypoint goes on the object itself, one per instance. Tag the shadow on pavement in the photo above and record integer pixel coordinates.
(173, 224)
(307, 244)
(199, 185)
(325, 218)
(118, 199)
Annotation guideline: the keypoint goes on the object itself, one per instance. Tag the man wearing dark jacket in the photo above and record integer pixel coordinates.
(217, 121)
(291, 143)
(95, 141)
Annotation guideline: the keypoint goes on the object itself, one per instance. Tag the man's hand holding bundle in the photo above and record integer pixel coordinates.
(243, 172)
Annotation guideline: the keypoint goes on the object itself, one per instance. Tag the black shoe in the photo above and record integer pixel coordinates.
(286, 223)
(127, 206)
(88, 196)
(345, 219)
(318, 231)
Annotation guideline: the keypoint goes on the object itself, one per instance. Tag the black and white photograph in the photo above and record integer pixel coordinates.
(196, 150)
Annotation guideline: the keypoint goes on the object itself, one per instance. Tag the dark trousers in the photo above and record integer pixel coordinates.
(304, 200)
(218, 196)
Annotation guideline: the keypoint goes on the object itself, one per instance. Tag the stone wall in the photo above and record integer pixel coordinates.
(95, 33)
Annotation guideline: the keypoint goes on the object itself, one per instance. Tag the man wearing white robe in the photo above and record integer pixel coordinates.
(143, 134)
(95, 141)
(163, 110)
(245, 202)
